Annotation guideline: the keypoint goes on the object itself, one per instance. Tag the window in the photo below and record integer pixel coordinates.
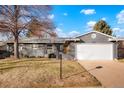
(35, 46)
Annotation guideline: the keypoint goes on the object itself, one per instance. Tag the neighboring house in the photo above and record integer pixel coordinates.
(120, 46)
(90, 46)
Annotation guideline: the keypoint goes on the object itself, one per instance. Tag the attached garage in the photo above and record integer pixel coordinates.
(96, 46)
(89, 51)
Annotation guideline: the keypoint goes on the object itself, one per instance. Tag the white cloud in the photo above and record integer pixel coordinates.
(88, 11)
(90, 25)
(24, 12)
(120, 17)
(103, 18)
(51, 16)
(73, 33)
(65, 14)
(60, 32)
(118, 31)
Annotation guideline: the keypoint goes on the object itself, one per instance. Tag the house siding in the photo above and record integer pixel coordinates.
(99, 38)
(36, 49)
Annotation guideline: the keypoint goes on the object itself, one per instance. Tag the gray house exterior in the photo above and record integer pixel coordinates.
(96, 46)
(43, 47)
(95, 37)
(98, 38)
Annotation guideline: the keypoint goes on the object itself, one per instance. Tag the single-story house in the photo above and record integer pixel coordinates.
(90, 46)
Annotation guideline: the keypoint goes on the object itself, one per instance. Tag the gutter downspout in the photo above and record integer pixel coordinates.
(116, 49)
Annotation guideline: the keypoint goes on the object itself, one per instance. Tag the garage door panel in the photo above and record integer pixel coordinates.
(94, 51)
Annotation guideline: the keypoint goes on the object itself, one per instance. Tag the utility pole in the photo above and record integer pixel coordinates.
(60, 56)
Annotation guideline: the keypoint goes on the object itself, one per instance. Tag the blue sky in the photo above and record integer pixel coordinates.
(72, 20)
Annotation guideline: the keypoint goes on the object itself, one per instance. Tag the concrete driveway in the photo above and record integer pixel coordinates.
(110, 75)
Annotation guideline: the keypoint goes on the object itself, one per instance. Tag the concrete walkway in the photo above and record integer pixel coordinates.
(111, 74)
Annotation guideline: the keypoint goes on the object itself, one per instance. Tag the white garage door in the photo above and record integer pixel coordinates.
(94, 51)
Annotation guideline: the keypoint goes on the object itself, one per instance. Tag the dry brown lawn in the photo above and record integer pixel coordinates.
(40, 72)
(121, 60)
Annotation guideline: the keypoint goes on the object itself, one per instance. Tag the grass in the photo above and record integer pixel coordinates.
(41, 72)
(121, 60)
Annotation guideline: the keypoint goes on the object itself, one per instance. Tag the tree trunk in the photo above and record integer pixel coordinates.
(16, 50)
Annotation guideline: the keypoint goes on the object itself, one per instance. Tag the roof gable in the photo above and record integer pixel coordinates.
(95, 32)
(95, 37)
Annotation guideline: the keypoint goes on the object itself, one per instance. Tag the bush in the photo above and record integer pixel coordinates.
(52, 55)
(4, 54)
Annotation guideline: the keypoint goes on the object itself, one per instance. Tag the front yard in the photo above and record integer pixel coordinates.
(121, 60)
(39, 72)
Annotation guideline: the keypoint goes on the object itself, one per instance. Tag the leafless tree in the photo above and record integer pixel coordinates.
(15, 18)
(40, 28)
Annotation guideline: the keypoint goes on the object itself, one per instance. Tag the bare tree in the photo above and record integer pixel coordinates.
(40, 28)
(6, 36)
(15, 18)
